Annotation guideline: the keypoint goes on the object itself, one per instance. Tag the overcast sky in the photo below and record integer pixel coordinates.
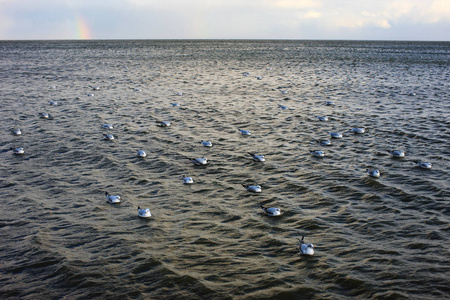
(427, 20)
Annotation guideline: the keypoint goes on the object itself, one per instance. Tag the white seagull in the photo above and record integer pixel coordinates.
(336, 135)
(112, 198)
(253, 188)
(271, 211)
(329, 102)
(44, 115)
(187, 179)
(53, 103)
(17, 132)
(108, 137)
(306, 249)
(107, 126)
(244, 132)
(424, 165)
(257, 157)
(141, 153)
(322, 118)
(163, 123)
(358, 130)
(207, 143)
(324, 143)
(317, 153)
(144, 213)
(373, 173)
(18, 151)
(396, 153)
(199, 161)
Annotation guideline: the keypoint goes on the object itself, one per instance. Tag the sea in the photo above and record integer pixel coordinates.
(374, 238)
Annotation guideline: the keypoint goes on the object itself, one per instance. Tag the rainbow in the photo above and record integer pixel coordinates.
(82, 27)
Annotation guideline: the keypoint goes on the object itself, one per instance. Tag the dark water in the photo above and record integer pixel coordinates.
(385, 238)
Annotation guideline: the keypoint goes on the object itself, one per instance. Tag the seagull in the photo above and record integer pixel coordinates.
(54, 103)
(271, 211)
(306, 249)
(336, 135)
(358, 130)
(373, 173)
(18, 151)
(424, 165)
(322, 118)
(144, 213)
(137, 89)
(257, 157)
(179, 94)
(258, 78)
(284, 92)
(324, 143)
(283, 107)
(17, 132)
(107, 126)
(207, 143)
(141, 153)
(199, 161)
(396, 153)
(174, 104)
(329, 103)
(112, 198)
(253, 188)
(163, 123)
(244, 132)
(44, 115)
(95, 88)
(90, 95)
(108, 137)
(246, 73)
(187, 179)
(317, 153)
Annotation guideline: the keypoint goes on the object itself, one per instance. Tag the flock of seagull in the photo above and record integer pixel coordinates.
(304, 248)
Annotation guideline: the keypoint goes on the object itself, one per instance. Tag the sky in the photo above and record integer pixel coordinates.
(421, 20)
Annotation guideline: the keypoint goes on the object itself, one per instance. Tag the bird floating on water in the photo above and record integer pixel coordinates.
(336, 135)
(373, 173)
(358, 130)
(107, 126)
(271, 211)
(322, 118)
(163, 123)
(174, 104)
(108, 137)
(144, 213)
(424, 165)
(252, 188)
(207, 143)
(317, 153)
(95, 88)
(244, 132)
(187, 179)
(306, 248)
(112, 198)
(257, 157)
(90, 95)
(329, 103)
(324, 143)
(179, 94)
(199, 161)
(396, 153)
(141, 153)
(44, 115)
(18, 151)
(283, 107)
(53, 103)
(17, 131)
